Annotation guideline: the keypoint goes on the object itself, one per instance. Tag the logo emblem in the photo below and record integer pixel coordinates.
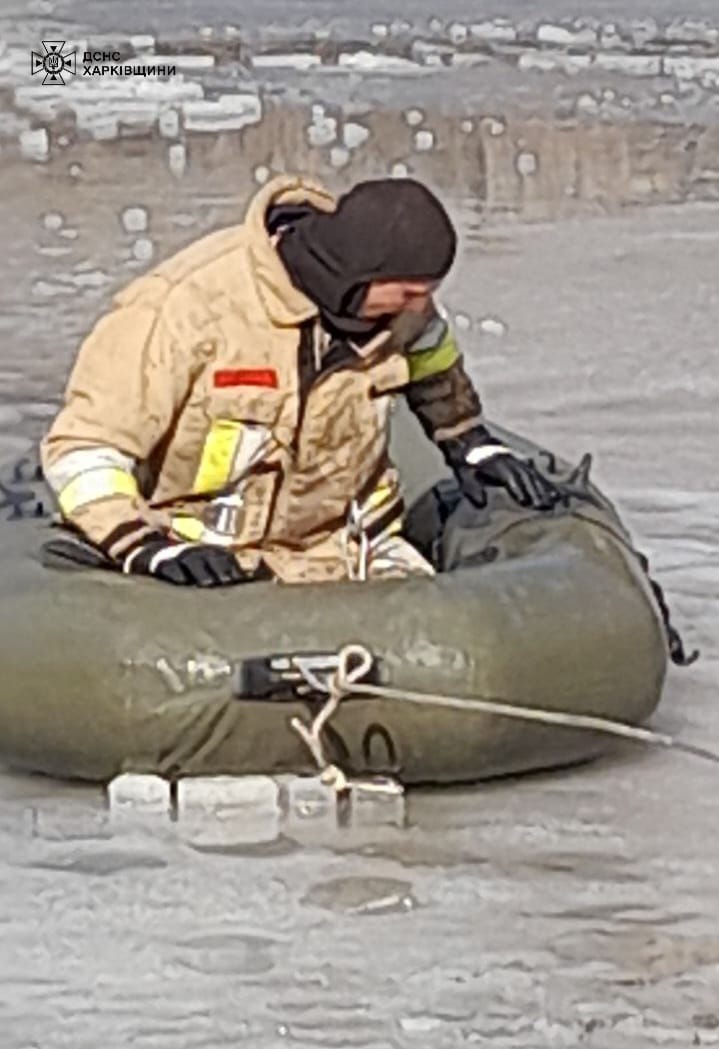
(54, 62)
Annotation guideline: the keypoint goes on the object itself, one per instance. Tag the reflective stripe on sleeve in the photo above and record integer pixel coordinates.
(66, 468)
(423, 363)
(103, 482)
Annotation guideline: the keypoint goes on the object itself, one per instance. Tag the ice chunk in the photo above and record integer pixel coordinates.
(306, 799)
(49, 290)
(142, 42)
(690, 67)
(399, 170)
(134, 219)
(467, 126)
(377, 803)
(380, 30)
(168, 123)
(527, 164)
(228, 113)
(143, 249)
(414, 117)
(561, 36)
(301, 61)
(587, 103)
(499, 31)
(322, 132)
(458, 33)
(138, 793)
(354, 135)
(462, 321)
(53, 221)
(420, 1024)
(69, 233)
(89, 279)
(424, 141)
(261, 174)
(177, 159)
(369, 62)
(629, 65)
(222, 810)
(469, 59)
(688, 31)
(494, 127)
(492, 326)
(339, 156)
(35, 144)
(643, 30)
(549, 62)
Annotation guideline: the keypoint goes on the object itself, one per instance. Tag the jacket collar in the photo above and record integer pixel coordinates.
(286, 305)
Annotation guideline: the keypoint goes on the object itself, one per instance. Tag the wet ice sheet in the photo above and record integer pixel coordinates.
(562, 910)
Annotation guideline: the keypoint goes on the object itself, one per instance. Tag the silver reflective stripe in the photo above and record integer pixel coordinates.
(60, 473)
(169, 553)
(483, 452)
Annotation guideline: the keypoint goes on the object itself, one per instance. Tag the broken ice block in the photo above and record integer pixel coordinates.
(225, 810)
(134, 792)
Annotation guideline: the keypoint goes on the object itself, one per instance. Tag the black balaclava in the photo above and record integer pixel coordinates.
(384, 229)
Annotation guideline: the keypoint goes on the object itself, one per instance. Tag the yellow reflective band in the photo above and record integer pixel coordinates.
(189, 528)
(423, 363)
(380, 495)
(101, 483)
(218, 455)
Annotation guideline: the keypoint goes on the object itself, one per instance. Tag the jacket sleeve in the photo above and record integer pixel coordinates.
(130, 376)
(440, 392)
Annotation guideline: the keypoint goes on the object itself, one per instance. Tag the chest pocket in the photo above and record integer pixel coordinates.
(244, 430)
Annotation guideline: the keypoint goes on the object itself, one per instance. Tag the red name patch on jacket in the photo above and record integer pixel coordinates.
(246, 377)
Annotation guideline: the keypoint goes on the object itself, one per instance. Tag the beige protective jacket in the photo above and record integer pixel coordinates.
(184, 411)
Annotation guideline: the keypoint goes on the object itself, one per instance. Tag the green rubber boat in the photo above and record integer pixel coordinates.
(104, 674)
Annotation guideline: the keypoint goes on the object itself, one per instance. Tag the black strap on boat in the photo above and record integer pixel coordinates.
(289, 676)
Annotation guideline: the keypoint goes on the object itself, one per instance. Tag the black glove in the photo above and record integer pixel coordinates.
(478, 460)
(184, 564)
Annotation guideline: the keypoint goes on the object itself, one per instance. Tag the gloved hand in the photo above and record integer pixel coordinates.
(478, 460)
(184, 564)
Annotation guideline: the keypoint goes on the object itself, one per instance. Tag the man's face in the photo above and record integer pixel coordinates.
(387, 298)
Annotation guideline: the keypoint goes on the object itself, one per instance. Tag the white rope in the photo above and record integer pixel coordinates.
(355, 661)
(486, 706)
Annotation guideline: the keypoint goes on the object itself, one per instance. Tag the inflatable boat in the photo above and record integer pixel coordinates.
(104, 674)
